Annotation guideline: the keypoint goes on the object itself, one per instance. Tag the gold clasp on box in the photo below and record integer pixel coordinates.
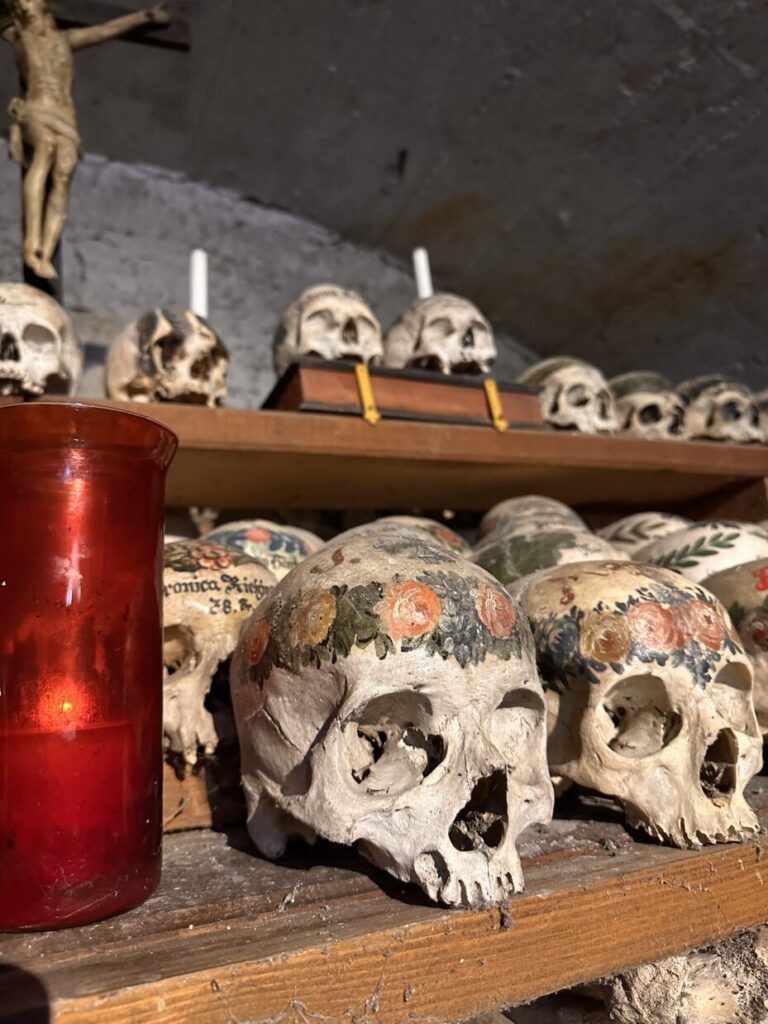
(495, 408)
(365, 389)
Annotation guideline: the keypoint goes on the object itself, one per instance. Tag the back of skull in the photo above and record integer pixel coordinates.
(209, 591)
(573, 395)
(386, 696)
(721, 410)
(328, 322)
(647, 406)
(39, 351)
(650, 696)
(443, 332)
(168, 356)
(276, 546)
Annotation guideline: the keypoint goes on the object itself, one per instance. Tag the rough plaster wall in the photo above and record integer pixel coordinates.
(127, 248)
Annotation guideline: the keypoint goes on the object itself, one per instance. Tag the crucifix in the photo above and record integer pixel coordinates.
(43, 136)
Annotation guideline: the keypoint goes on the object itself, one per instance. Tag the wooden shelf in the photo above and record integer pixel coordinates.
(234, 458)
(322, 936)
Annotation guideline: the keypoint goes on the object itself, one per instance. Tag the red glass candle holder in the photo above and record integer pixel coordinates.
(81, 517)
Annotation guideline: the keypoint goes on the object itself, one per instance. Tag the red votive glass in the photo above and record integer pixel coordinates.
(81, 520)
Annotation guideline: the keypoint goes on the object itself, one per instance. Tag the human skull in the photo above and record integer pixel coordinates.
(331, 323)
(209, 592)
(650, 696)
(519, 549)
(647, 406)
(702, 549)
(275, 545)
(631, 533)
(761, 400)
(743, 590)
(386, 695)
(573, 395)
(167, 356)
(529, 506)
(39, 351)
(720, 410)
(436, 531)
(443, 332)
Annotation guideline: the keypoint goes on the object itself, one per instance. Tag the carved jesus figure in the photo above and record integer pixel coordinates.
(43, 134)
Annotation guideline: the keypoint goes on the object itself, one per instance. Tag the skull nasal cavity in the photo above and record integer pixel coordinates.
(718, 774)
(8, 348)
(349, 333)
(482, 821)
(469, 338)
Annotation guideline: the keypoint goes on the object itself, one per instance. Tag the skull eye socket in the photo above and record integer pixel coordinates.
(731, 412)
(577, 395)
(649, 414)
(38, 337)
(730, 692)
(391, 746)
(636, 717)
(179, 651)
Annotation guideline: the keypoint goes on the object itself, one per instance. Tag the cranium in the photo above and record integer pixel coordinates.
(39, 351)
(720, 410)
(168, 357)
(573, 395)
(702, 549)
(276, 546)
(385, 694)
(650, 696)
(647, 406)
(331, 323)
(418, 525)
(517, 549)
(529, 506)
(743, 590)
(209, 592)
(633, 532)
(443, 332)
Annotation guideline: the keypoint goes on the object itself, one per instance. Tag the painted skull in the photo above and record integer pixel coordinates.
(419, 525)
(743, 590)
(647, 406)
(385, 694)
(702, 549)
(632, 533)
(209, 592)
(573, 395)
(168, 356)
(443, 332)
(529, 506)
(328, 322)
(39, 351)
(275, 545)
(720, 410)
(520, 548)
(650, 696)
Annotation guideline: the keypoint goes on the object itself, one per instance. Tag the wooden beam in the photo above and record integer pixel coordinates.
(323, 936)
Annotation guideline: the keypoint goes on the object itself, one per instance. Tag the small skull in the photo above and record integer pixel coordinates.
(443, 332)
(168, 357)
(720, 410)
(650, 696)
(631, 533)
(276, 546)
(529, 506)
(385, 695)
(209, 592)
(573, 395)
(328, 322)
(39, 351)
(647, 406)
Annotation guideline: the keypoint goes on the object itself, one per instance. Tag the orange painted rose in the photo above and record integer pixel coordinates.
(212, 556)
(761, 577)
(312, 619)
(702, 623)
(409, 609)
(258, 535)
(496, 612)
(655, 626)
(450, 539)
(256, 640)
(604, 636)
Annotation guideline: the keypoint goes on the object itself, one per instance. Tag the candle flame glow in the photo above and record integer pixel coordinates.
(63, 704)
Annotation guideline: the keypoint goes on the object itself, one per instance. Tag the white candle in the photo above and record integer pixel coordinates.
(422, 273)
(198, 282)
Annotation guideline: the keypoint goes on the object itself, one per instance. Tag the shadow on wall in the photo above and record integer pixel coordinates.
(126, 250)
(23, 997)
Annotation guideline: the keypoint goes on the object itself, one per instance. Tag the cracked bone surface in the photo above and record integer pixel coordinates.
(328, 322)
(720, 410)
(208, 593)
(443, 332)
(39, 350)
(648, 406)
(168, 356)
(649, 693)
(573, 395)
(386, 695)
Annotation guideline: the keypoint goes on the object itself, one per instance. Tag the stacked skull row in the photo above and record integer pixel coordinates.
(398, 690)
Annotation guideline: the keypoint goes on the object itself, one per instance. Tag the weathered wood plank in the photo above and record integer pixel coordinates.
(322, 936)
